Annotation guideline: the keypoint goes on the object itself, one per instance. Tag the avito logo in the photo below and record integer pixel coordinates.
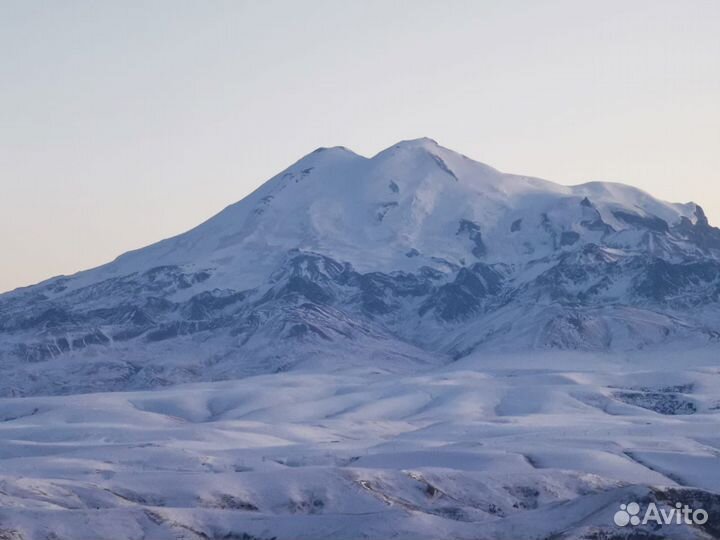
(629, 514)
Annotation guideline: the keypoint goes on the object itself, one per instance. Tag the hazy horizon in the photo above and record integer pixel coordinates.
(125, 124)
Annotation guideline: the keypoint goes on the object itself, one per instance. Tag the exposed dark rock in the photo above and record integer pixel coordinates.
(379, 290)
(440, 163)
(206, 305)
(661, 279)
(547, 226)
(652, 223)
(384, 209)
(568, 238)
(93, 338)
(52, 317)
(666, 403)
(465, 294)
(472, 231)
(701, 233)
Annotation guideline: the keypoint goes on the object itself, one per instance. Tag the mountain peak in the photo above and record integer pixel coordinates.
(412, 197)
(424, 142)
(332, 149)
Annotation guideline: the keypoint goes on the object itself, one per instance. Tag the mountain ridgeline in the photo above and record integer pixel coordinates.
(415, 257)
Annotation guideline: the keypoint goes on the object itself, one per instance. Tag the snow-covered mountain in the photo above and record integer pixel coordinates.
(414, 257)
(409, 346)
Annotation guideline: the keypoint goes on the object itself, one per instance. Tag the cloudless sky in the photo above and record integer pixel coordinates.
(122, 123)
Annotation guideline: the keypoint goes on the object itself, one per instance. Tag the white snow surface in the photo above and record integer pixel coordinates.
(508, 447)
(371, 212)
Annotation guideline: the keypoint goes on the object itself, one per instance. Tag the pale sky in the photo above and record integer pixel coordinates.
(122, 123)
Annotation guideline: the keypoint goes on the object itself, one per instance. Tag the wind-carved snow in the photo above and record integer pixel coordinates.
(413, 345)
(487, 448)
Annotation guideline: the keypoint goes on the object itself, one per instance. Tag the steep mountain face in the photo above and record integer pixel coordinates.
(414, 257)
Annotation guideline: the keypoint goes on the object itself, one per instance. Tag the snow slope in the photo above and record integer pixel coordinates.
(489, 448)
(411, 196)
